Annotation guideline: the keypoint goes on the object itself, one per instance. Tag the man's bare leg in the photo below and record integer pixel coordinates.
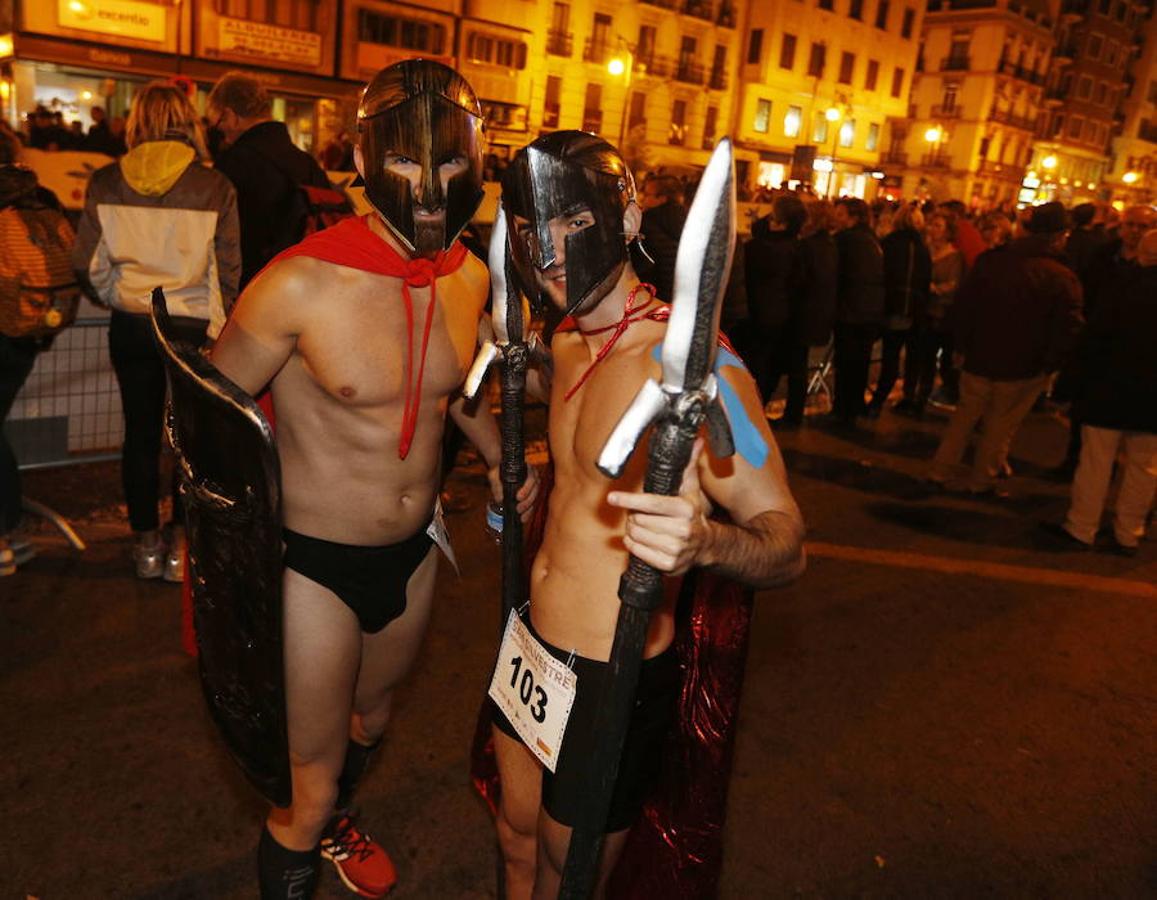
(553, 843)
(386, 657)
(520, 775)
(322, 654)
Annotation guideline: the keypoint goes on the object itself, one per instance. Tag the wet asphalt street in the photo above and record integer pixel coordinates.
(944, 705)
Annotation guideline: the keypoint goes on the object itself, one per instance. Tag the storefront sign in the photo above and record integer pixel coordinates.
(269, 42)
(144, 21)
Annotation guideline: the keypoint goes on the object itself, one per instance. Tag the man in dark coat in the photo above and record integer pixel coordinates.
(859, 306)
(1102, 268)
(774, 291)
(1117, 404)
(1015, 320)
(663, 218)
(265, 167)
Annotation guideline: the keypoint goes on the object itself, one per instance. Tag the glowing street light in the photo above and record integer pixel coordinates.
(1130, 177)
(934, 134)
(623, 66)
(832, 114)
(616, 67)
(1049, 162)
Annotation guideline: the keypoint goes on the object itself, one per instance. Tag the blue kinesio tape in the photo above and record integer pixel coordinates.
(749, 443)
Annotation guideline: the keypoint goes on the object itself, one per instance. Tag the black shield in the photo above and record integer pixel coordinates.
(232, 494)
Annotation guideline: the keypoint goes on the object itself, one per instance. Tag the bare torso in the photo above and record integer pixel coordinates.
(575, 577)
(340, 397)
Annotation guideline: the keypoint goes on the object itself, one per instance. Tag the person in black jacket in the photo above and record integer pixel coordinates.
(772, 276)
(859, 306)
(662, 226)
(907, 274)
(266, 169)
(1117, 405)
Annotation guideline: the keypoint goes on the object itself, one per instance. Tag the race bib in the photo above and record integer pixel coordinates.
(534, 690)
(437, 532)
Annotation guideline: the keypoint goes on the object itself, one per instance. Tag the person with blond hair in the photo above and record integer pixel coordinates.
(157, 217)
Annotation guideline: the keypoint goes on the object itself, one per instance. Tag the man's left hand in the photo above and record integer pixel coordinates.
(669, 533)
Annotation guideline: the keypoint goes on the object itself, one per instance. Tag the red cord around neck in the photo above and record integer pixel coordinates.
(631, 315)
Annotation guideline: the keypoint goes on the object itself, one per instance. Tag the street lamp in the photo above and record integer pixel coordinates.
(934, 136)
(1049, 162)
(623, 65)
(1130, 177)
(833, 115)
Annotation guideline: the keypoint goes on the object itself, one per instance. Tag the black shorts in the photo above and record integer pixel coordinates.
(371, 581)
(563, 790)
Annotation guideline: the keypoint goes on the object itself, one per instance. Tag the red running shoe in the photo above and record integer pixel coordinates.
(365, 868)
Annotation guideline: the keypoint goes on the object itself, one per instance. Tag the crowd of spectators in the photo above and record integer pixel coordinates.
(986, 316)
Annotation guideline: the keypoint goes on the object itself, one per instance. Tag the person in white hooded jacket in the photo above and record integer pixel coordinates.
(157, 217)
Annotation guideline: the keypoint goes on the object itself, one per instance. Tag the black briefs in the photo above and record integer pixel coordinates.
(564, 790)
(371, 581)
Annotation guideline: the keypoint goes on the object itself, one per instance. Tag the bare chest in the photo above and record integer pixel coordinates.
(581, 425)
(368, 344)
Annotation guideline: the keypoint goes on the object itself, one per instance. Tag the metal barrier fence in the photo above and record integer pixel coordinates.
(69, 410)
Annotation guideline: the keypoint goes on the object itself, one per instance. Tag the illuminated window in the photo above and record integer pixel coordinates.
(762, 116)
(553, 107)
(792, 120)
(678, 133)
(820, 129)
(709, 128)
(873, 136)
(848, 133)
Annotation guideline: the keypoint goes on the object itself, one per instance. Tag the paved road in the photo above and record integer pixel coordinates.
(942, 706)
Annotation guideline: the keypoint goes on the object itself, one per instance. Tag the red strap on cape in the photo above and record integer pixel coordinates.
(353, 244)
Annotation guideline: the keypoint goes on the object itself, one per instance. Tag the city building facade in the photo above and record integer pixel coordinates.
(1096, 42)
(975, 101)
(1132, 174)
(819, 81)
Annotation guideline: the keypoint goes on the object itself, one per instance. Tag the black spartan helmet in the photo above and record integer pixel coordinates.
(559, 174)
(427, 112)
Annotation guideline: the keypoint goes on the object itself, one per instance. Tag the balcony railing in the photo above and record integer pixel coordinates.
(559, 43)
(894, 158)
(717, 80)
(1028, 123)
(955, 64)
(1021, 73)
(936, 161)
(653, 65)
(947, 112)
(700, 9)
(689, 72)
(596, 51)
(726, 17)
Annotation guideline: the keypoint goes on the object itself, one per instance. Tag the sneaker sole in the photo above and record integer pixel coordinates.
(353, 887)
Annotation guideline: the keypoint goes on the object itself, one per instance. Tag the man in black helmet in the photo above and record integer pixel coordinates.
(571, 214)
(365, 332)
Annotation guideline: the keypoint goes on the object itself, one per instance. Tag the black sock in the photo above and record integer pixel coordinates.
(285, 874)
(357, 759)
